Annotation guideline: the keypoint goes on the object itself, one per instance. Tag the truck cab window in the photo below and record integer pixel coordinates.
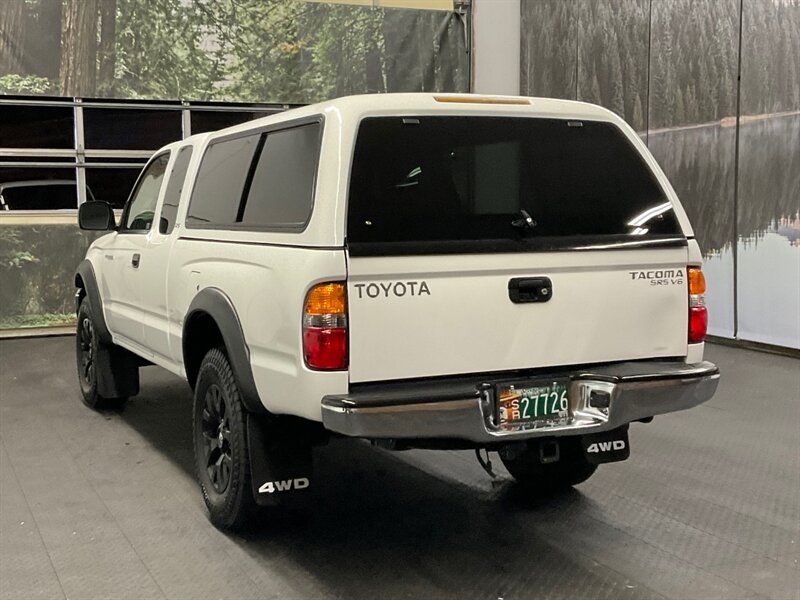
(142, 204)
(172, 196)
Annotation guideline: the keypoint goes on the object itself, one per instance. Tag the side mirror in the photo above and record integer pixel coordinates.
(96, 216)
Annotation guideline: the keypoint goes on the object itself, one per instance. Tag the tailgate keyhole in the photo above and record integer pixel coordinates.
(530, 289)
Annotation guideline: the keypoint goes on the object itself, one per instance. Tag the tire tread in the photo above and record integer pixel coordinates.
(89, 395)
(236, 507)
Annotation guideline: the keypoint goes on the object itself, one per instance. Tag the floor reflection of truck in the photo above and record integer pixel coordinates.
(41, 194)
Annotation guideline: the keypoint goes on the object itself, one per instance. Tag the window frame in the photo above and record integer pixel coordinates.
(156, 212)
(260, 132)
(171, 169)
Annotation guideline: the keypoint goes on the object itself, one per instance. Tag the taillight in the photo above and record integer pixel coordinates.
(698, 315)
(325, 327)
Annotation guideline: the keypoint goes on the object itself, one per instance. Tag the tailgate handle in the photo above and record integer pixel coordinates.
(530, 289)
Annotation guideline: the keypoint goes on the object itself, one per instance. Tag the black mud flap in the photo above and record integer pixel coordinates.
(608, 446)
(281, 461)
(117, 372)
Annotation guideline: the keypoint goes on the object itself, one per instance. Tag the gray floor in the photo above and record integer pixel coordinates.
(103, 505)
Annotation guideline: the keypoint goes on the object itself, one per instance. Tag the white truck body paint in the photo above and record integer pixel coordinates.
(465, 324)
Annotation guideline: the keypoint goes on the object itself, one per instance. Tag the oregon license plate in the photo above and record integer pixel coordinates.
(540, 404)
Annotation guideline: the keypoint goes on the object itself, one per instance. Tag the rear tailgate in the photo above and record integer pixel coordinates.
(438, 248)
(413, 318)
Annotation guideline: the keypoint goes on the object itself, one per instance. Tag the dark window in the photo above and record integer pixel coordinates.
(282, 189)
(36, 127)
(130, 129)
(111, 184)
(212, 120)
(37, 189)
(172, 195)
(464, 179)
(34, 195)
(220, 182)
(138, 215)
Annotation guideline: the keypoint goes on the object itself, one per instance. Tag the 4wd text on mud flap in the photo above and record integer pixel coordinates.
(598, 447)
(284, 485)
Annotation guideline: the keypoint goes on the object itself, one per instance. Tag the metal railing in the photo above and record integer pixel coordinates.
(80, 158)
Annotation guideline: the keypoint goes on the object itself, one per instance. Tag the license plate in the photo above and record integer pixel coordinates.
(539, 404)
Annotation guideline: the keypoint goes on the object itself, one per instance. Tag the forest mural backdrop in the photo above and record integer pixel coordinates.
(259, 51)
(670, 67)
(284, 51)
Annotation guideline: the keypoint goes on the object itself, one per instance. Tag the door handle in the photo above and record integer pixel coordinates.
(135, 260)
(530, 289)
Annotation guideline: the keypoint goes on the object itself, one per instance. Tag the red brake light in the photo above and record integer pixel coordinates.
(325, 348)
(325, 327)
(698, 315)
(698, 324)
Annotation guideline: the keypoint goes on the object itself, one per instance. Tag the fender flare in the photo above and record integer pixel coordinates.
(219, 307)
(85, 274)
(117, 369)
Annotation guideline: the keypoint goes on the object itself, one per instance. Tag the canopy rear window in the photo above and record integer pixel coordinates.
(460, 184)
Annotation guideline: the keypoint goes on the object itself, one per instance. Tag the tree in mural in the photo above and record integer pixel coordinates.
(12, 36)
(107, 50)
(30, 46)
(549, 49)
(78, 73)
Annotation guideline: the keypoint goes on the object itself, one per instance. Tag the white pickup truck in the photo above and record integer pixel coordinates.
(445, 271)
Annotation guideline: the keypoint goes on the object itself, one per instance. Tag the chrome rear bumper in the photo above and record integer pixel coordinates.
(600, 399)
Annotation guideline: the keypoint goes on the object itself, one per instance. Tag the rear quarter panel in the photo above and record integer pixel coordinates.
(267, 286)
(266, 275)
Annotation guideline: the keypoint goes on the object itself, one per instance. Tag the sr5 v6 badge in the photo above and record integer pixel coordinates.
(608, 446)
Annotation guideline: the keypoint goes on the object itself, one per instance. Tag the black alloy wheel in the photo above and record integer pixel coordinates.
(216, 432)
(89, 354)
(86, 351)
(221, 454)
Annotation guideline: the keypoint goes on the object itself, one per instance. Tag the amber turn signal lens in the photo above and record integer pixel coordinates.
(697, 282)
(326, 299)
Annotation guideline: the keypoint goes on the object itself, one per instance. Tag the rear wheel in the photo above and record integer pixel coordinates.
(526, 466)
(220, 444)
(87, 348)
